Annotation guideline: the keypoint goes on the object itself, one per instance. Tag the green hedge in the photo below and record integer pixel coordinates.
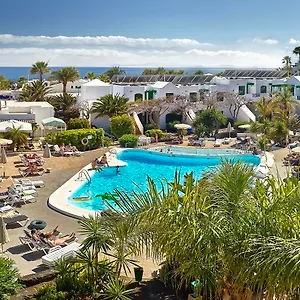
(128, 140)
(78, 123)
(75, 136)
(121, 125)
(154, 132)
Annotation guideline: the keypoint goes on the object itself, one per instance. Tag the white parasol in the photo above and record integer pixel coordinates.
(246, 126)
(182, 126)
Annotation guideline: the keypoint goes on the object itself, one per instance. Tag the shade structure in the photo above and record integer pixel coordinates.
(3, 156)
(5, 142)
(14, 124)
(4, 239)
(182, 126)
(47, 152)
(246, 126)
(296, 150)
(53, 122)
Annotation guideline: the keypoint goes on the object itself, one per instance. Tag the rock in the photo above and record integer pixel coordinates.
(34, 279)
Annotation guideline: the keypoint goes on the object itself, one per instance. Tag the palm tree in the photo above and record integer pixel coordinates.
(199, 72)
(114, 71)
(35, 91)
(90, 76)
(18, 137)
(110, 105)
(296, 51)
(21, 81)
(65, 75)
(287, 62)
(41, 68)
(104, 78)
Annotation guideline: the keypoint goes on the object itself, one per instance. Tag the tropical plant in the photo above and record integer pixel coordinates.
(287, 64)
(104, 78)
(90, 76)
(211, 119)
(65, 75)
(199, 72)
(41, 68)
(18, 137)
(296, 51)
(21, 81)
(114, 71)
(8, 278)
(121, 125)
(64, 106)
(115, 290)
(110, 105)
(5, 84)
(78, 124)
(128, 140)
(35, 91)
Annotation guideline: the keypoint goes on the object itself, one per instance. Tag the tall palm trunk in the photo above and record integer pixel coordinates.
(41, 76)
(64, 88)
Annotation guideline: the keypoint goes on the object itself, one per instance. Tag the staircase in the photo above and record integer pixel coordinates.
(139, 128)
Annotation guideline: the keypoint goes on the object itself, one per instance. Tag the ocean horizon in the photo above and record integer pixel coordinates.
(14, 73)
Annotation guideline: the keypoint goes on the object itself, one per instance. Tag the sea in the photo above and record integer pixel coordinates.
(13, 73)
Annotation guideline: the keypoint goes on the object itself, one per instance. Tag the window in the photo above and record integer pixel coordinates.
(71, 86)
(193, 97)
(169, 95)
(242, 90)
(138, 97)
(263, 89)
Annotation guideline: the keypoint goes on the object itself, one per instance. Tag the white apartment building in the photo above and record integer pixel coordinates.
(249, 83)
(33, 112)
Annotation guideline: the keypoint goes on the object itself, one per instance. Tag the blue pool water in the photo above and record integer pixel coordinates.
(142, 163)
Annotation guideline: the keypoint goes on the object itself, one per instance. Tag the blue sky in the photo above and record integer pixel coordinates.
(139, 33)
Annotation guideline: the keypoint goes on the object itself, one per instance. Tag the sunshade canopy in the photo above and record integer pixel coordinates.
(11, 124)
(53, 122)
(246, 126)
(182, 126)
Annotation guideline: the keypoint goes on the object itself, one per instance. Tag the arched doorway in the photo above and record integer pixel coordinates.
(263, 89)
(138, 97)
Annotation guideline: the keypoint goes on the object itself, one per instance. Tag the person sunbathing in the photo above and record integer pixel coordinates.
(61, 241)
(103, 160)
(37, 234)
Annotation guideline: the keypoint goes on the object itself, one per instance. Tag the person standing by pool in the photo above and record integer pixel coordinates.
(103, 160)
(118, 169)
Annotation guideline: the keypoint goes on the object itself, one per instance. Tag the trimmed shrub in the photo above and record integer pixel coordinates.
(128, 140)
(75, 136)
(78, 123)
(153, 132)
(50, 138)
(107, 141)
(121, 125)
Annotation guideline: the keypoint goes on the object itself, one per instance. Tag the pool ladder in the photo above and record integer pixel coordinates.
(86, 174)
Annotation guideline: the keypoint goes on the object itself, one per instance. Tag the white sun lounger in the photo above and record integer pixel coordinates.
(218, 143)
(56, 253)
(32, 183)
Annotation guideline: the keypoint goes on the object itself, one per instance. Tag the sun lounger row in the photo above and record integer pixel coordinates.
(66, 151)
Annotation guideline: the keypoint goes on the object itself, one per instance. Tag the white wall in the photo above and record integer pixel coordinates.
(130, 91)
(89, 93)
(169, 88)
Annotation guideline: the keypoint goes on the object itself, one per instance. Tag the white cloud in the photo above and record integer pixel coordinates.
(104, 41)
(265, 42)
(151, 58)
(294, 42)
(124, 51)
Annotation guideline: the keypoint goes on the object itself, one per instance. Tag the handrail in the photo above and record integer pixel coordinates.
(87, 175)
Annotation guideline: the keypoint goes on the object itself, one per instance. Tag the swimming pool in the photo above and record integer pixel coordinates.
(143, 163)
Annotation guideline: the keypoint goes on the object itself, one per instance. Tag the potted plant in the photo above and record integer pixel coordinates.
(196, 286)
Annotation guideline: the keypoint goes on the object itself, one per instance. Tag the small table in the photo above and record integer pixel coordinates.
(38, 224)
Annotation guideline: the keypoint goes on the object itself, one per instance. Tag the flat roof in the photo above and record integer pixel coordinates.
(27, 104)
